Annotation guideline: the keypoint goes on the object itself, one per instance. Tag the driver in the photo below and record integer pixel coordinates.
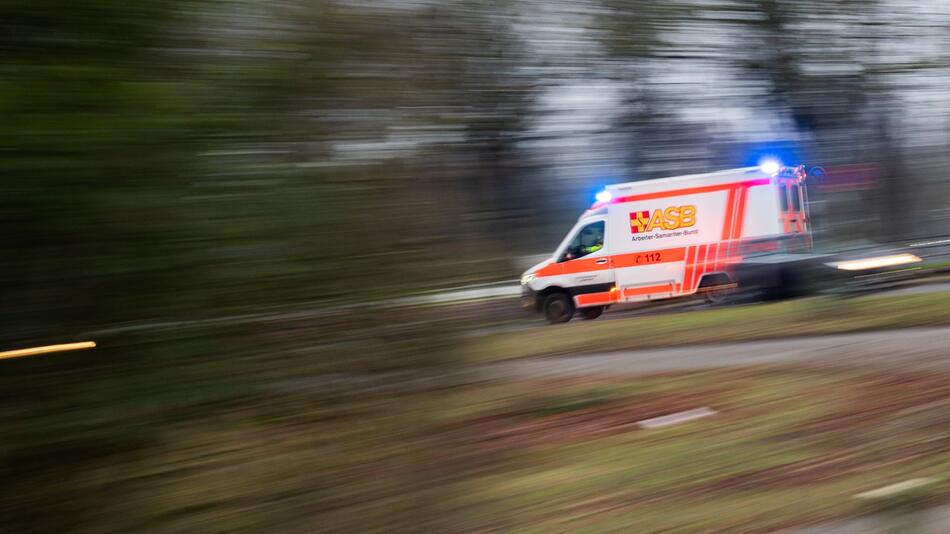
(593, 248)
(592, 240)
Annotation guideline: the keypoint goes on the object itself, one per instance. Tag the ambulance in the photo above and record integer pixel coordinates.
(671, 238)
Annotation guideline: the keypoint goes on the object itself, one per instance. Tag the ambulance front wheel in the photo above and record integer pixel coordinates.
(591, 313)
(558, 308)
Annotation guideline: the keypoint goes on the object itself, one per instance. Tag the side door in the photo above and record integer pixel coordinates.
(584, 262)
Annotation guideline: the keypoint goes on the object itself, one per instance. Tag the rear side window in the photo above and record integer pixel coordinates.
(782, 196)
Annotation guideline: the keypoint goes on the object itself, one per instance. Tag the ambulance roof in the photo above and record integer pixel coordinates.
(676, 182)
(689, 180)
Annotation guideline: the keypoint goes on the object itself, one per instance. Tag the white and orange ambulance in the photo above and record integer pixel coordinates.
(668, 238)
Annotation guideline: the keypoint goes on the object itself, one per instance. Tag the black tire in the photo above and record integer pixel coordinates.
(591, 313)
(558, 308)
(711, 292)
(717, 297)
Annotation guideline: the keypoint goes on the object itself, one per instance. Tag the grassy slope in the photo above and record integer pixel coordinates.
(815, 316)
(172, 435)
(789, 447)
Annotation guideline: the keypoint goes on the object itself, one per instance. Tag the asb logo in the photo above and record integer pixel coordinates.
(668, 219)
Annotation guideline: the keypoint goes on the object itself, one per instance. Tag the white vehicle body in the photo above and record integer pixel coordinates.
(669, 237)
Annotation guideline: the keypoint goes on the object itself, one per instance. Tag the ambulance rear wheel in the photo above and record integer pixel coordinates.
(717, 289)
(558, 308)
(591, 313)
(717, 297)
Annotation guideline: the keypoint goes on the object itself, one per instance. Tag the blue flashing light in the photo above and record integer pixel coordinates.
(784, 151)
(604, 196)
(770, 166)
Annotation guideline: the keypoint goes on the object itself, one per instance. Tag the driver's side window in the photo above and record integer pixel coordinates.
(588, 240)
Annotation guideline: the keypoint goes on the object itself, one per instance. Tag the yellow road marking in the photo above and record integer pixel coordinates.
(47, 349)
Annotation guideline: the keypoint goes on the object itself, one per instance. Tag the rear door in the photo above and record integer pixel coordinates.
(792, 202)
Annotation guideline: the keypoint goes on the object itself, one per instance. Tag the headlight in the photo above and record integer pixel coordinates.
(877, 263)
(526, 279)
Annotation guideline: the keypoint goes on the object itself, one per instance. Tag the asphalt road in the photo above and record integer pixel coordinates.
(918, 349)
(913, 349)
(931, 521)
(921, 289)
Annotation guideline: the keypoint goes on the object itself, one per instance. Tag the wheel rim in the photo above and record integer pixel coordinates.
(717, 296)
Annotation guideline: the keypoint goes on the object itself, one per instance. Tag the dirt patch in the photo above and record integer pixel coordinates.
(602, 418)
(870, 402)
(816, 471)
(864, 412)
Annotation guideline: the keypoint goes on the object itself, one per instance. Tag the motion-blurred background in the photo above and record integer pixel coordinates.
(224, 194)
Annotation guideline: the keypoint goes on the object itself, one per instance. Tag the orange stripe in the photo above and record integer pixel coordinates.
(686, 191)
(730, 224)
(648, 290)
(700, 263)
(698, 266)
(650, 257)
(685, 269)
(596, 299)
(688, 273)
(706, 266)
(633, 259)
(740, 215)
(581, 265)
(726, 257)
(550, 269)
(727, 224)
(702, 269)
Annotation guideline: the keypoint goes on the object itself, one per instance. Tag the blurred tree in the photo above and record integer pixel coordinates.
(94, 158)
(205, 157)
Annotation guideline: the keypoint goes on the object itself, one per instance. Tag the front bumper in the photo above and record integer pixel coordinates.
(529, 298)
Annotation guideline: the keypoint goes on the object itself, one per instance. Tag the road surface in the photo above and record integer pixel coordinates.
(918, 349)
(913, 349)
(932, 521)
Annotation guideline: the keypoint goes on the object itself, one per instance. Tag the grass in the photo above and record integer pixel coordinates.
(813, 316)
(88, 460)
(164, 434)
(937, 265)
(788, 447)
(95, 447)
(169, 434)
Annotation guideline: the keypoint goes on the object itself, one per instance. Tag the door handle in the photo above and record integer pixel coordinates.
(601, 261)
